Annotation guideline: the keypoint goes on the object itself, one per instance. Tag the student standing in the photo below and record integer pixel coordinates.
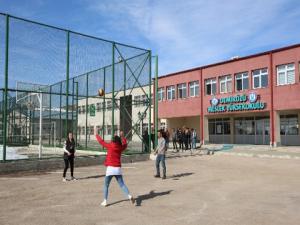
(174, 139)
(194, 138)
(69, 155)
(161, 156)
(113, 164)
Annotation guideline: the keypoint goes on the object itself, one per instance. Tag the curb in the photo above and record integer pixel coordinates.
(254, 155)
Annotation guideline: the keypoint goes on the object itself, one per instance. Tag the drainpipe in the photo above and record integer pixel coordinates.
(273, 142)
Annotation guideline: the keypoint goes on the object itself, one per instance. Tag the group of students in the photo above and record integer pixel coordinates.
(185, 137)
(113, 161)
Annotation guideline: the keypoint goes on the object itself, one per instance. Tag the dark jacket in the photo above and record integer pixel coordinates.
(70, 146)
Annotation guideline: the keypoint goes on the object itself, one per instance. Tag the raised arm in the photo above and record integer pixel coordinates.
(101, 141)
(124, 143)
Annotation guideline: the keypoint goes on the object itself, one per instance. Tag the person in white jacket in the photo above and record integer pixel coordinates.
(161, 155)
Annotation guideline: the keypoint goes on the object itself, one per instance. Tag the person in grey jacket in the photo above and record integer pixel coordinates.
(161, 155)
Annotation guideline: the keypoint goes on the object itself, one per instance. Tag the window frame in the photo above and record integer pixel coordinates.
(260, 77)
(286, 70)
(172, 88)
(243, 76)
(227, 78)
(210, 81)
(192, 86)
(161, 94)
(181, 87)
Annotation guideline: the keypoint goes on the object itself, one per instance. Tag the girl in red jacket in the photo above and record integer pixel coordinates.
(113, 164)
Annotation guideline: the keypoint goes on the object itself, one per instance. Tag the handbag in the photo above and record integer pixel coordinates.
(153, 156)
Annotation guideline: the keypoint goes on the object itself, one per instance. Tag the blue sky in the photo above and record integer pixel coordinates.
(184, 33)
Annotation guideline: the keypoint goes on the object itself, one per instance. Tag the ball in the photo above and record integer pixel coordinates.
(100, 92)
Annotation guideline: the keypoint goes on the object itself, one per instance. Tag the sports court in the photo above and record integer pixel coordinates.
(199, 189)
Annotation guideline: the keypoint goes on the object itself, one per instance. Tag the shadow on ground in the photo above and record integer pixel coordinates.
(139, 199)
(150, 195)
(177, 176)
(90, 177)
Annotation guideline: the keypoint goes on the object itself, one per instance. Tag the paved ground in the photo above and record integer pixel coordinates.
(200, 189)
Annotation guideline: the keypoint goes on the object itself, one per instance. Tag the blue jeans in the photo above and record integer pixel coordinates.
(161, 158)
(119, 178)
(193, 142)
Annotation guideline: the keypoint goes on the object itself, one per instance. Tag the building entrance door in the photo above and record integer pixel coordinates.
(252, 130)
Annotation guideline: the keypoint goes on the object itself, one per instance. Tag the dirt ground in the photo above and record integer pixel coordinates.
(200, 189)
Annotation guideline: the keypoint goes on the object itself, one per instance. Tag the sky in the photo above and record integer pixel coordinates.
(183, 33)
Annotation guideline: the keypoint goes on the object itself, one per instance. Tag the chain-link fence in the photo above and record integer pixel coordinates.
(49, 84)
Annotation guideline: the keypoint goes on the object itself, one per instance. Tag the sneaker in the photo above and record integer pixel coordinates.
(73, 178)
(157, 176)
(132, 199)
(104, 203)
(164, 177)
(64, 179)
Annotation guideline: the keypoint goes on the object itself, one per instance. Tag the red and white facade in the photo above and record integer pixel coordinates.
(272, 79)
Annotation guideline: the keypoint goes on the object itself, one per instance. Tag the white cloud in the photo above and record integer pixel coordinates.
(191, 33)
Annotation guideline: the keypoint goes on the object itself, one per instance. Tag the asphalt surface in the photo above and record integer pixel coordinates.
(199, 189)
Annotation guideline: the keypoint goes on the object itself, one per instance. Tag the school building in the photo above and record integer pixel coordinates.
(247, 100)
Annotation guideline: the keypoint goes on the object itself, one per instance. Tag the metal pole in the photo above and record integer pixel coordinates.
(73, 105)
(103, 107)
(86, 108)
(50, 106)
(156, 101)
(124, 100)
(113, 90)
(5, 88)
(150, 103)
(76, 125)
(41, 124)
(67, 83)
(60, 124)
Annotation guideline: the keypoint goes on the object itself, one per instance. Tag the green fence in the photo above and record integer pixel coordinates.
(49, 80)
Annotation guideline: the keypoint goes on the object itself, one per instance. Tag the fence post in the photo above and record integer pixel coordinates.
(86, 108)
(76, 124)
(5, 88)
(103, 106)
(67, 83)
(113, 90)
(150, 103)
(156, 101)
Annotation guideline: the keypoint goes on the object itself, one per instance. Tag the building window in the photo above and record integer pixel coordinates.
(286, 74)
(289, 125)
(194, 88)
(92, 130)
(226, 84)
(211, 87)
(161, 94)
(108, 129)
(108, 105)
(260, 78)
(171, 92)
(99, 107)
(83, 109)
(181, 90)
(137, 100)
(79, 109)
(241, 81)
(219, 126)
(144, 100)
(99, 130)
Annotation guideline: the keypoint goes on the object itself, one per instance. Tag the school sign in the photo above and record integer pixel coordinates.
(236, 103)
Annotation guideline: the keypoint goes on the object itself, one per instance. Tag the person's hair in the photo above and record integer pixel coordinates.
(117, 140)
